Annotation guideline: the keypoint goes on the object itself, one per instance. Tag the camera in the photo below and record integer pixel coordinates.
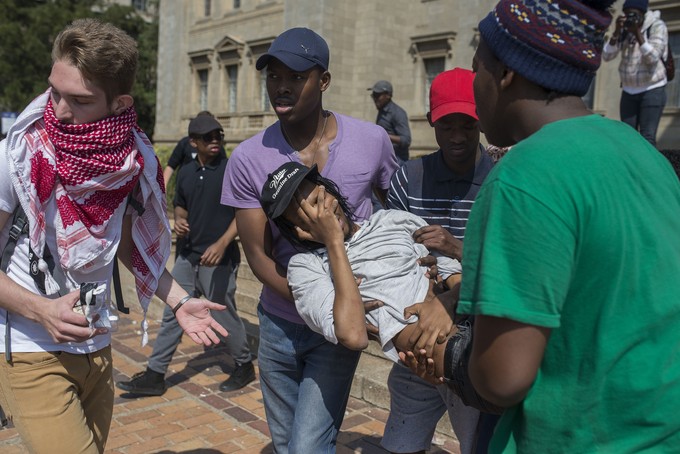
(631, 19)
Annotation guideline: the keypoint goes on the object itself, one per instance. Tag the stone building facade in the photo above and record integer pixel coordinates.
(208, 49)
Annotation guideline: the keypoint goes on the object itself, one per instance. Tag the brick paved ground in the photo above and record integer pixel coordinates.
(193, 416)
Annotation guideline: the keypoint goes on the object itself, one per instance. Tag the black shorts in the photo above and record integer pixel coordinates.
(456, 376)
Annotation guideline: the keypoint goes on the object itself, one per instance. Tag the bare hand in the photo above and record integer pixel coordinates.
(620, 22)
(372, 330)
(318, 218)
(430, 261)
(181, 227)
(437, 238)
(435, 320)
(212, 256)
(62, 323)
(423, 367)
(195, 319)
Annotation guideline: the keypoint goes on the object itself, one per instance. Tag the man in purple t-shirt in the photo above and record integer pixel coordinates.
(305, 379)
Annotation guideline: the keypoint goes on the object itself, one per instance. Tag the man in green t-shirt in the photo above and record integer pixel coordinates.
(572, 248)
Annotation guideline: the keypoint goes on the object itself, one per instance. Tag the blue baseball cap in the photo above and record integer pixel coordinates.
(299, 49)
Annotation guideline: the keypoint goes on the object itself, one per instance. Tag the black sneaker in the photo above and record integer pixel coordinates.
(242, 375)
(147, 383)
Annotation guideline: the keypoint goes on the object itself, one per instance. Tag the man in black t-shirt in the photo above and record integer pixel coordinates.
(184, 153)
(207, 262)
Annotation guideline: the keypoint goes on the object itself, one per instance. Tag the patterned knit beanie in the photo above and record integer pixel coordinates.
(556, 44)
(640, 5)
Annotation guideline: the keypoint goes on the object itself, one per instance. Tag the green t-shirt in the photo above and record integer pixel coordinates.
(577, 229)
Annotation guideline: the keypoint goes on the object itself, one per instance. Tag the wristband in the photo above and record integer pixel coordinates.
(180, 304)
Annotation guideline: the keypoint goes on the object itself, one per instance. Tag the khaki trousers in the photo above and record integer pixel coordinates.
(59, 402)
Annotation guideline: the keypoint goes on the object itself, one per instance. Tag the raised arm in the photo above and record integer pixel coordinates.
(321, 225)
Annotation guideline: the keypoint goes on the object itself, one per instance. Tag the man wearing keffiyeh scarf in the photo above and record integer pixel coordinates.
(72, 161)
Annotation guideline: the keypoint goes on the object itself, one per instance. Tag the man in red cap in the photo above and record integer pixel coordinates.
(440, 188)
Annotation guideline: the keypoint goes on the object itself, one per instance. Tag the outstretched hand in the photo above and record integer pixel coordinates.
(195, 319)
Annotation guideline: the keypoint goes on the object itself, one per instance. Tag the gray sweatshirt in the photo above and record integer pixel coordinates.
(383, 254)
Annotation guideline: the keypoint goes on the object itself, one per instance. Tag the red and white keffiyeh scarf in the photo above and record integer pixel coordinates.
(91, 169)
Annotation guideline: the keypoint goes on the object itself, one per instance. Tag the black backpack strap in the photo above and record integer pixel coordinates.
(117, 288)
(120, 304)
(18, 228)
(134, 203)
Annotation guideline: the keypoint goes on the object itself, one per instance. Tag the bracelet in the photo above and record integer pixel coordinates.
(180, 304)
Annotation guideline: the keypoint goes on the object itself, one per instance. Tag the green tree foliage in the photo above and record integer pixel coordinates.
(28, 29)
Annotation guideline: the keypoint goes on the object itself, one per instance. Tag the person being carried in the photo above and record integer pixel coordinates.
(206, 265)
(348, 264)
(91, 188)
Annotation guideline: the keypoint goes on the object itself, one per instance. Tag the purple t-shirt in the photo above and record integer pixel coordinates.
(360, 158)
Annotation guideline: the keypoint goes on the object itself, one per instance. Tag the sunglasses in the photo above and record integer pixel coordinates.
(212, 136)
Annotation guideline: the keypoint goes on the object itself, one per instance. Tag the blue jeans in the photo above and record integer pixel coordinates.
(415, 408)
(643, 111)
(305, 383)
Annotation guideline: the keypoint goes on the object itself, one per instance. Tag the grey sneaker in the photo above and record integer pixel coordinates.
(147, 383)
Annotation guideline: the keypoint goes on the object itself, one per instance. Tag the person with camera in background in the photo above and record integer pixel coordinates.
(642, 39)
